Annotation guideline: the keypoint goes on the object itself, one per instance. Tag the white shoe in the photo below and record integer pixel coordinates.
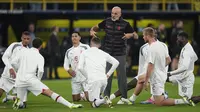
(120, 102)
(189, 101)
(108, 101)
(16, 104)
(126, 101)
(75, 106)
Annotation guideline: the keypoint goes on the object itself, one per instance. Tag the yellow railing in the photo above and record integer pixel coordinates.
(194, 3)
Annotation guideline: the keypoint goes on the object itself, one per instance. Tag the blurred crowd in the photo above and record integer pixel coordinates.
(93, 6)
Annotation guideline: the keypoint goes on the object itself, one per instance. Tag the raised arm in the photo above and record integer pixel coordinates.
(96, 28)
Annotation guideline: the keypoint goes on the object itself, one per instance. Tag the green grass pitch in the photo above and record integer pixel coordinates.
(63, 87)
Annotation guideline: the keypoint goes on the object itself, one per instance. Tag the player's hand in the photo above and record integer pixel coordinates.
(107, 76)
(135, 35)
(72, 73)
(12, 73)
(93, 33)
(146, 85)
(127, 35)
(169, 74)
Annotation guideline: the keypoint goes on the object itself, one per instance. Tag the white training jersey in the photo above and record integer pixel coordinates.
(31, 66)
(143, 56)
(8, 55)
(143, 53)
(187, 59)
(94, 62)
(72, 58)
(158, 52)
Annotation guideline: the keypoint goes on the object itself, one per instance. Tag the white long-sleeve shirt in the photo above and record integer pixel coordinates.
(31, 63)
(143, 54)
(93, 61)
(8, 55)
(72, 58)
(186, 62)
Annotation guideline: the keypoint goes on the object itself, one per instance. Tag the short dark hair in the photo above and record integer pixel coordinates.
(96, 40)
(183, 35)
(77, 33)
(26, 33)
(37, 42)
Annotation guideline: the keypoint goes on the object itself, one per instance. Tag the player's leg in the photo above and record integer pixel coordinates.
(1, 92)
(94, 90)
(2, 86)
(8, 97)
(186, 86)
(56, 97)
(94, 94)
(138, 88)
(6, 85)
(159, 99)
(130, 85)
(21, 92)
(103, 84)
(76, 90)
(85, 89)
(13, 96)
(37, 87)
(186, 89)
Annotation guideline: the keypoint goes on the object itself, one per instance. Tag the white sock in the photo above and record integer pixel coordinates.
(112, 96)
(180, 101)
(10, 97)
(133, 97)
(98, 102)
(60, 99)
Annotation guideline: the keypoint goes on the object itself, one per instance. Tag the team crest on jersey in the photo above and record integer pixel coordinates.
(118, 28)
(76, 58)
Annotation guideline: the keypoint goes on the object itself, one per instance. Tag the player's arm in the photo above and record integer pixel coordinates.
(184, 67)
(15, 63)
(168, 58)
(150, 67)
(114, 63)
(96, 28)
(6, 56)
(66, 66)
(81, 64)
(168, 61)
(129, 32)
(40, 68)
